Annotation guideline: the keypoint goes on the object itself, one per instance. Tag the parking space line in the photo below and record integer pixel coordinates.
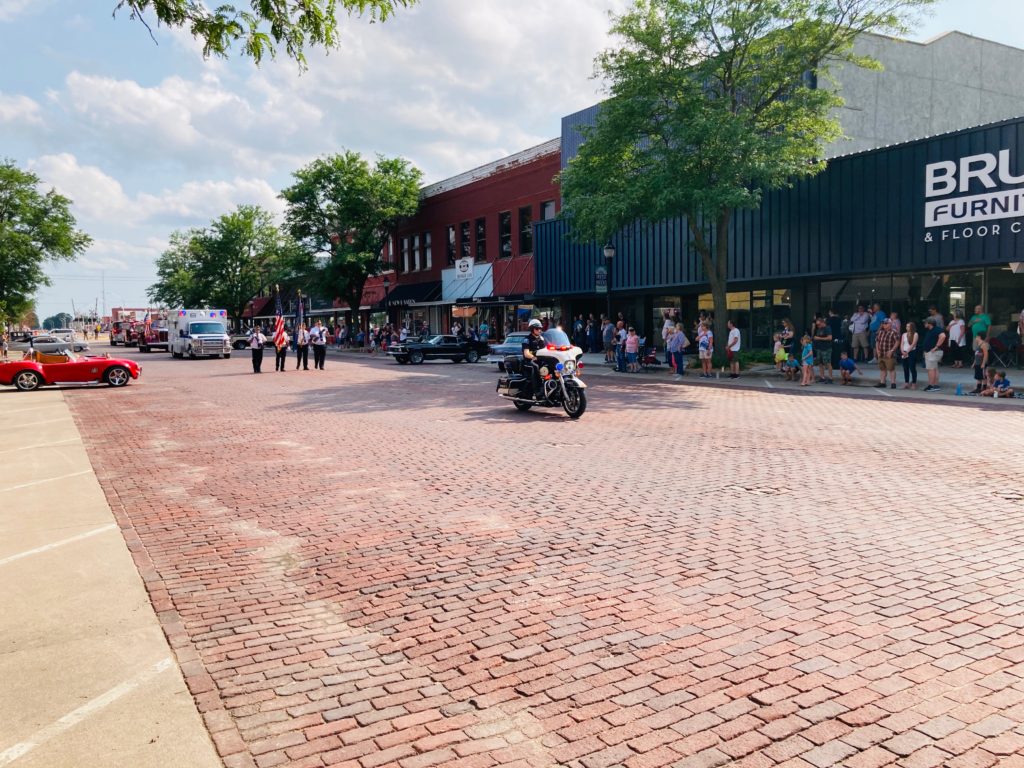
(74, 717)
(42, 445)
(47, 480)
(54, 545)
(35, 408)
(33, 424)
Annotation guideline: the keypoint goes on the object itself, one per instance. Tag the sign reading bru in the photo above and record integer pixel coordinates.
(990, 172)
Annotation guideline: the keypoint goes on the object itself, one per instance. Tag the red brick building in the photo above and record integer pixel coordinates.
(467, 255)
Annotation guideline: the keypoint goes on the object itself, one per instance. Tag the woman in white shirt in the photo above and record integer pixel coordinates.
(957, 333)
(908, 353)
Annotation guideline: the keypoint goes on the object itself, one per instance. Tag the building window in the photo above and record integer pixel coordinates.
(526, 229)
(428, 257)
(416, 252)
(392, 259)
(464, 251)
(505, 233)
(481, 239)
(547, 210)
(405, 254)
(450, 245)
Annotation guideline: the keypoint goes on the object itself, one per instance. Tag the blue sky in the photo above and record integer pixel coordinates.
(148, 137)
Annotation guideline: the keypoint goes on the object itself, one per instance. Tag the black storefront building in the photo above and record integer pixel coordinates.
(934, 221)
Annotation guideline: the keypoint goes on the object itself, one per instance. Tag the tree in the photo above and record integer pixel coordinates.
(60, 320)
(227, 263)
(343, 209)
(711, 102)
(36, 229)
(263, 25)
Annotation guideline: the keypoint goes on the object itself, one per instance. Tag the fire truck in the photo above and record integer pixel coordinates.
(152, 335)
(119, 330)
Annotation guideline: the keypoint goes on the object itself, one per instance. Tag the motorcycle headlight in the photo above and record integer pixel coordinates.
(544, 370)
(570, 366)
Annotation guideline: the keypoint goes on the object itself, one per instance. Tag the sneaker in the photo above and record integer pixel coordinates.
(892, 386)
(930, 388)
(677, 377)
(880, 384)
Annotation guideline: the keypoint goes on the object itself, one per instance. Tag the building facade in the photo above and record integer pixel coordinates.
(855, 233)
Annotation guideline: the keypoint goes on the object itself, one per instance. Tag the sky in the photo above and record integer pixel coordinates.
(147, 137)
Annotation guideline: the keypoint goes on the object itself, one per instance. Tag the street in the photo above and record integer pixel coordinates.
(387, 565)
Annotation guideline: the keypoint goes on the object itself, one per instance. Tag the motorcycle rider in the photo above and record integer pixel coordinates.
(531, 345)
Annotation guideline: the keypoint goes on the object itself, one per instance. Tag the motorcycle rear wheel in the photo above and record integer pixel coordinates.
(523, 406)
(575, 402)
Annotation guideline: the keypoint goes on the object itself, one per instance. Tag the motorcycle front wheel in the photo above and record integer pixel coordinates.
(575, 402)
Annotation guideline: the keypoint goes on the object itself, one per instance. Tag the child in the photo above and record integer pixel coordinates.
(981, 351)
(847, 368)
(792, 369)
(632, 351)
(705, 349)
(988, 385)
(999, 385)
(779, 353)
(806, 361)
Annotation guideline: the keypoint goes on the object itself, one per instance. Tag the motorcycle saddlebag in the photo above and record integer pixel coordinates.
(513, 363)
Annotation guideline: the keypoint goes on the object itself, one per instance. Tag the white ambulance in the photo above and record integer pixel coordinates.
(199, 333)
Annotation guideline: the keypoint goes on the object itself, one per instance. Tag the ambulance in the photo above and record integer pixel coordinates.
(199, 333)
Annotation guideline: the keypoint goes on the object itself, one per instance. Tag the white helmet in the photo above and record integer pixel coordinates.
(535, 323)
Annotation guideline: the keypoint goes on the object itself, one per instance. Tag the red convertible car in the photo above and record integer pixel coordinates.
(39, 369)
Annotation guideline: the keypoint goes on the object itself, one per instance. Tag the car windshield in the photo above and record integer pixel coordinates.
(206, 328)
(435, 340)
(556, 337)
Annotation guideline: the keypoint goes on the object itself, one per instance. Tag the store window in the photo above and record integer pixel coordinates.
(428, 256)
(526, 229)
(465, 251)
(505, 233)
(416, 252)
(547, 210)
(481, 239)
(405, 254)
(450, 245)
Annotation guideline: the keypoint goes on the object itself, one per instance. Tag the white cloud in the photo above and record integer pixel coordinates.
(19, 109)
(11, 9)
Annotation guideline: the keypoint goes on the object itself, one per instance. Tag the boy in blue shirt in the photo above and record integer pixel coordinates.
(847, 368)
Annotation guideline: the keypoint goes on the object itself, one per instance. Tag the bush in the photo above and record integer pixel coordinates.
(752, 357)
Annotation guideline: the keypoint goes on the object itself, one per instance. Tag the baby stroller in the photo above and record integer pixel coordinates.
(648, 355)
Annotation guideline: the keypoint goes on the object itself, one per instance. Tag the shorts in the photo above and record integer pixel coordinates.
(631, 357)
(729, 355)
(932, 360)
(823, 356)
(886, 364)
(705, 354)
(860, 340)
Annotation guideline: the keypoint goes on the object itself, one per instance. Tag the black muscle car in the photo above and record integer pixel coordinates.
(451, 348)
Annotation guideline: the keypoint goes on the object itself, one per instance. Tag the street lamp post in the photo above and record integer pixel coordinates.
(387, 303)
(609, 254)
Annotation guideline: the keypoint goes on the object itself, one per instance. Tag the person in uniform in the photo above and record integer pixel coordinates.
(256, 343)
(531, 345)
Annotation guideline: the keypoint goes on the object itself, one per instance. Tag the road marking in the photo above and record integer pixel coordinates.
(769, 384)
(34, 423)
(74, 717)
(42, 445)
(47, 480)
(54, 545)
(34, 408)
(884, 392)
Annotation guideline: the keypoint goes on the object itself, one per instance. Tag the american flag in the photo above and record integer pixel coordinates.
(300, 319)
(279, 321)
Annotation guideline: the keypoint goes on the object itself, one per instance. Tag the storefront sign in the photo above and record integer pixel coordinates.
(601, 280)
(954, 183)
(464, 269)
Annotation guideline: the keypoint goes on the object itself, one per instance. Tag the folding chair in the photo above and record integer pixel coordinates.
(1002, 352)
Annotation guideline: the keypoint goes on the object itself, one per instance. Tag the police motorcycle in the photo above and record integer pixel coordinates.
(559, 385)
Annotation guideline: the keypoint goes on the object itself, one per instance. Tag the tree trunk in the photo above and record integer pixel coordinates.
(715, 257)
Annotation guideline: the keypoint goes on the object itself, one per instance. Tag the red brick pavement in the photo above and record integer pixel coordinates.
(350, 574)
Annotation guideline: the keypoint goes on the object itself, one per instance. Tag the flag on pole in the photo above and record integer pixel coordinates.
(279, 320)
(300, 319)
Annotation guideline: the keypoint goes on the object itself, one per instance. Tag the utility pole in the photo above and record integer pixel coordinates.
(103, 288)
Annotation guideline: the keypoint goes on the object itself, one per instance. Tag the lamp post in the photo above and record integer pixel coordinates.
(387, 294)
(609, 254)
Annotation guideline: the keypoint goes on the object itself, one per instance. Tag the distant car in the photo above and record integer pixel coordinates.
(68, 334)
(451, 348)
(67, 368)
(240, 340)
(512, 345)
(50, 343)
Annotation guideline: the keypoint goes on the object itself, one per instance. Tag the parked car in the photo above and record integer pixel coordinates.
(50, 343)
(67, 368)
(68, 334)
(512, 345)
(240, 340)
(451, 348)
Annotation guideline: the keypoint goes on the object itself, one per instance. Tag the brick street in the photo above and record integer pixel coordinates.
(353, 569)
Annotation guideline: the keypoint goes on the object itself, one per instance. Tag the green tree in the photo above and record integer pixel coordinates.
(263, 25)
(342, 209)
(60, 320)
(711, 102)
(227, 263)
(36, 229)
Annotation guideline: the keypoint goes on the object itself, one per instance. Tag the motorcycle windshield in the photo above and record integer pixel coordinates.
(556, 337)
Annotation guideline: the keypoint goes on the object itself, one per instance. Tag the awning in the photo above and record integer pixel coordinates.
(414, 293)
(493, 301)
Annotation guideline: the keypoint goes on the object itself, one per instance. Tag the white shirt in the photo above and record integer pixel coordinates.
(956, 332)
(317, 335)
(667, 327)
(257, 340)
(302, 338)
(734, 340)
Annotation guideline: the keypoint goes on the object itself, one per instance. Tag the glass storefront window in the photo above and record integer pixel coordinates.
(1005, 299)
(662, 306)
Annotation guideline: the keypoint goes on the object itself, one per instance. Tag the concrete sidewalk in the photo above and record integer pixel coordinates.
(88, 677)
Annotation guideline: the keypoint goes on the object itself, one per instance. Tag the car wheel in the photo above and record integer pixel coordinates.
(113, 343)
(455, 359)
(228, 355)
(402, 359)
(191, 354)
(26, 381)
(416, 357)
(143, 349)
(117, 376)
(472, 356)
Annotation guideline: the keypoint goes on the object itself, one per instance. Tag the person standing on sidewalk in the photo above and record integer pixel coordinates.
(677, 344)
(705, 349)
(836, 326)
(281, 351)
(302, 348)
(887, 341)
(822, 342)
(934, 337)
(980, 322)
(256, 343)
(908, 353)
(980, 362)
(318, 338)
(859, 323)
(957, 333)
(732, 350)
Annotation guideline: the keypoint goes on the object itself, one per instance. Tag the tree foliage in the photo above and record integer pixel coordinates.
(342, 209)
(36, 229)
(228, 263)
(710, 103)
(262, 26)
(60, 320)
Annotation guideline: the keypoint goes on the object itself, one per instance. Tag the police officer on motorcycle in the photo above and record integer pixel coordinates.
(531, 345)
